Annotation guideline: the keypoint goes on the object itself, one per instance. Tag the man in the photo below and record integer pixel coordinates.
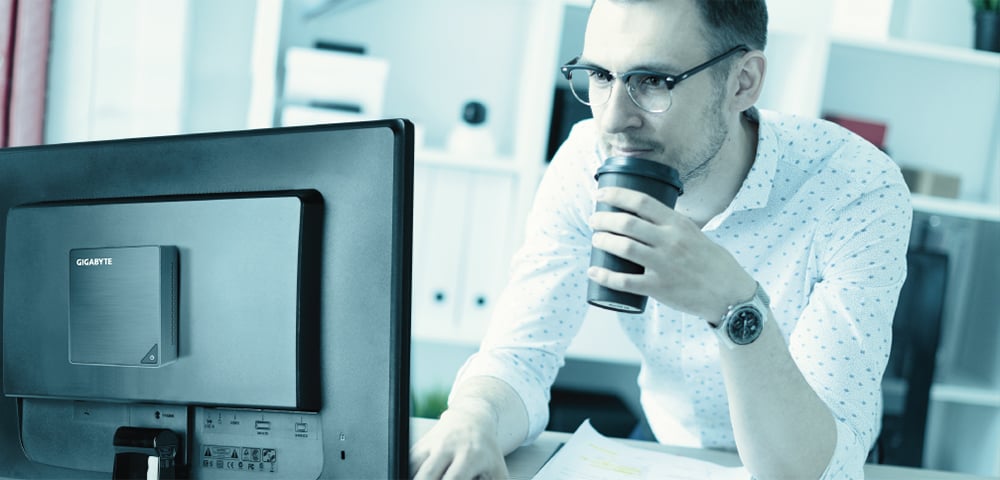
(776, 206)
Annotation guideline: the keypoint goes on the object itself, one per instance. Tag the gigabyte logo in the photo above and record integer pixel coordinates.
(93, 262)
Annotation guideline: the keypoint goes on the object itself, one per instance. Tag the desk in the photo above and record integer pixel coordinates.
(525, 461)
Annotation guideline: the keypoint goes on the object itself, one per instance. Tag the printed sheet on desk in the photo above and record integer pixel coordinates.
(588, 455)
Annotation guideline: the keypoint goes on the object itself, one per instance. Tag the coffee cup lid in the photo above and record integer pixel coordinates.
(642, 167)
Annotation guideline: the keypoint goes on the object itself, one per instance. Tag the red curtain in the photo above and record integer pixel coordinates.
(24, 54)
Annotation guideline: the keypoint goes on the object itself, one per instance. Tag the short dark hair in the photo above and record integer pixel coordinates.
(734, 22)
(729, 23)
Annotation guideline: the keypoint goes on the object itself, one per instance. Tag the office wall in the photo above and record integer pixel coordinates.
(129, 68)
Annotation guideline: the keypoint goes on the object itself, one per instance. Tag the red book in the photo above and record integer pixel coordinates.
(869, 130)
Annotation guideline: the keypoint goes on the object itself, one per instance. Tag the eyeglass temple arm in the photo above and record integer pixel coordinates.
(723, 56)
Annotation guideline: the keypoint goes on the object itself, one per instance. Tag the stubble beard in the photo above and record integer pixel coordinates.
(694, 161)
(698, 163)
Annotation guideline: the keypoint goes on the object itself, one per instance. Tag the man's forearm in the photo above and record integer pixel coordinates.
(782, 428)
(494, 401)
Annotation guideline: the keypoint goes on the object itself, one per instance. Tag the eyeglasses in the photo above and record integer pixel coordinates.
(649, 90)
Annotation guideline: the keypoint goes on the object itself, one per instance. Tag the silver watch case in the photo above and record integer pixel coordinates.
(743, 322)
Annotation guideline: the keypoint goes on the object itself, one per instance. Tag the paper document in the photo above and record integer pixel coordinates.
(588, 455)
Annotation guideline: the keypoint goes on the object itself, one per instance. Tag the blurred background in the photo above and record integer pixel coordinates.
(480, 80)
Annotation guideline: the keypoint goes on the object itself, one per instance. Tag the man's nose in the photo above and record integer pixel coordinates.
(620, 112)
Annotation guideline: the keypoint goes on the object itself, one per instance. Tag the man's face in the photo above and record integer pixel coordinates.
(664, 36)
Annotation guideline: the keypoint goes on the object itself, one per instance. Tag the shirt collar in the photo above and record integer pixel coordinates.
(757, 187)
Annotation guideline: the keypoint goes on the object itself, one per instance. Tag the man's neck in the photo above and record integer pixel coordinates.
(711, 194)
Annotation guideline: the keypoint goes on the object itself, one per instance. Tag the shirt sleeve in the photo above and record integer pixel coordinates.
(543, 305)
(842, 341)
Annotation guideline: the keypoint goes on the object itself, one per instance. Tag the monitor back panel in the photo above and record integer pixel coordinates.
(292, 301)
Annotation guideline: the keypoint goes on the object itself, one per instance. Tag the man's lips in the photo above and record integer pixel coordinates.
(624, 151)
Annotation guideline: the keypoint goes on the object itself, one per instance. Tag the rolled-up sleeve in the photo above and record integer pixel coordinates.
(543, 304)
(842, 341)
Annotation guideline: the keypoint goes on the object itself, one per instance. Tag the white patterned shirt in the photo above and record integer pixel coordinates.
(822, 222)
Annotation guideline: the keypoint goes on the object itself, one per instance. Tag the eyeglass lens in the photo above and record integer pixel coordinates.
(648, 92)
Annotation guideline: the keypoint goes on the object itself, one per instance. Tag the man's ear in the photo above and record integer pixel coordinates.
(749, 79)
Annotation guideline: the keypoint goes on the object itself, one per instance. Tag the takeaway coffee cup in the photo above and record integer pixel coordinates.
(655, 179)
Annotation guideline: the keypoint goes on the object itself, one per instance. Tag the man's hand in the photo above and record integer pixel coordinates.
(462, 445)
(684, 269)
(485, 420)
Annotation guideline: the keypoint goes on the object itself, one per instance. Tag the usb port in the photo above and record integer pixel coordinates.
(262, 425)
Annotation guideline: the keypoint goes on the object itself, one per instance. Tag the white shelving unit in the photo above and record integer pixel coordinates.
(469, 208)
(974, 395)
(957, 208)
(445, 159)
(941, 102)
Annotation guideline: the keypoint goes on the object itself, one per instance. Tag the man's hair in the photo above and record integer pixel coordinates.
(728, 23)
(734, 22)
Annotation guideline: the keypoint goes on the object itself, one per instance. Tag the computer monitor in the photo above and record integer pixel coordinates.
(237, 302)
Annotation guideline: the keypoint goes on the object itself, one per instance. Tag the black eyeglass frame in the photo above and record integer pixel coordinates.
(670, 80)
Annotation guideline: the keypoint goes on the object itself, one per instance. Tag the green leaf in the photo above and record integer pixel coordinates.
(986, 4)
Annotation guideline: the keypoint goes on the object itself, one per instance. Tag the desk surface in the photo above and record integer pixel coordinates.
(524, 462)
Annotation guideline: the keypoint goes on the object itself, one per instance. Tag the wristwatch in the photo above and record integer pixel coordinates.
(742, 324)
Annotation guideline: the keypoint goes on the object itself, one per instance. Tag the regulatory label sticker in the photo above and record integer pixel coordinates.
(247, 459)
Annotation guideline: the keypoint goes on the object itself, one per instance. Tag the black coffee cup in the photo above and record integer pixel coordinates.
(655, 179)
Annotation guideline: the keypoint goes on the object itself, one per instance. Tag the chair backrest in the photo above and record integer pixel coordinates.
(916, 333)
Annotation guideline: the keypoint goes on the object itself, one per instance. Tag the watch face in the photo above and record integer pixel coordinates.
(745, 325)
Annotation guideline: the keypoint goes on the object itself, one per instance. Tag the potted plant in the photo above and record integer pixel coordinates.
(987, 24)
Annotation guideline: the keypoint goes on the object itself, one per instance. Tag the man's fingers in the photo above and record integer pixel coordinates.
(431, 468)
(623, 247)
(641, 204)
(625, 282)
(624, 224)
(417, 458)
